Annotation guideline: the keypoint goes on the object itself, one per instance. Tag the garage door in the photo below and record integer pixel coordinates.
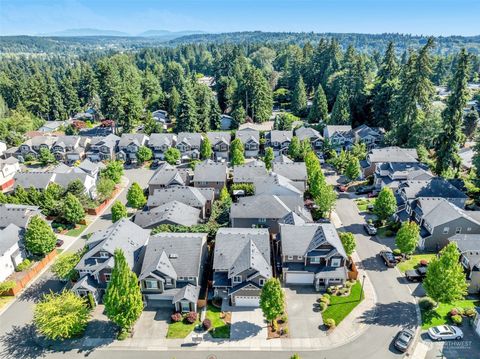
(244, 301)
(299, 278)
(159, 304)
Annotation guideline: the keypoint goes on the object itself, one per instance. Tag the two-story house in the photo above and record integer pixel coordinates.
(91, 168)
(173, 270)
(371, 136)
(70, 148)
(279, 141)
(95, 267)
(295, 172)
(12, 252)
(469, 247)
(103, 148)
(129, 145)
(241, 265)
(17, 214)
(159, 143)
(220, 142)
(32, 146)
(315, 138)
(173, 212)
(166, 176)
(392, 174)
(189, 145)
(247, 172)
(312, 254)
(251, 141)
(210, 174)
(387, 154)
(339, 136)
(8, 168)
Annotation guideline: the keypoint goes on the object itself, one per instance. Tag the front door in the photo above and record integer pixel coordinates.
(185, 306)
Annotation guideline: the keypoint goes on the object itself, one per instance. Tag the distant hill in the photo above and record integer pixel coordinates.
(166, 33)
(86, 32)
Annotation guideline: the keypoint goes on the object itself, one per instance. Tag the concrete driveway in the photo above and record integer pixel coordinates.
(247, 323)
(303, 320)
(152, 324)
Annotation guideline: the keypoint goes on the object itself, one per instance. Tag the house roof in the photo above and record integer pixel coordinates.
(166, 175)
(466, 155)
(467, 242)
(259, 206)
(435, 187)
(216, 137)
(280, 136)
(292, 218)
(248, 172)
(110, 141)
(188, 292)
(65, 141)
(299, 240)
(138, 139)
(124, 235)
(89, 166)
(161, 139)
(363, 131)
(296, 171)
(238, 248)
(282, 159)
(174, 254)
(64, 179)
(173, 212)
(210, 171)
(393, 154)
(191, 196)
(307, 133)
(38, 180)
(17, 214)
(248, 134)
(276, 184)
(9, 236)
(192, 139)
(437, 211)
(343, 130)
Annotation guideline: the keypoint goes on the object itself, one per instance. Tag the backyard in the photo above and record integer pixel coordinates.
(414, 261)
(341, 306)
(440, 315)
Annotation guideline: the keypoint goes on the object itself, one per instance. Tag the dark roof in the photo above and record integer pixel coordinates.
(17, 214)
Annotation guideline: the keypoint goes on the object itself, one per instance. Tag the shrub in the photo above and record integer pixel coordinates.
(427, 303)
(7, 285)
(285, 330)
(460, 311)
(24, 265)
(329, 322)
(326, 295)
(323, 306)
(331, 290)
(123, 335)
(274, 326)
(284, 318)
(389, 233)
(325, 300)
(344, 291)
(453, 312)
(91, 300)
(470, 312)
(424, 263)
(396, 251)
(191, 317)
(176, 317)
(207, 324)
(348, 284)
(457, 319)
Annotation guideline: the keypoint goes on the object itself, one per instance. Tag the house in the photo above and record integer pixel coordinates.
(251, 141)
(275, 184)
(103, 148)
(95, 267)
(8, 168)
(278, 141)
(263, 211)
(220, 142)
(339, 136)
(3, 148)
(247, 173)
(37, 180)
(173, 270)
(370, 136)
(161, 116)
(200, 198)
(129, 145)
(282, 159)
(51, 126)
(88, 182)
(91, 168)
(312, 254)
(189, 145)
(159, 143)
(17, 214)
(469, 247)
(439, 219)
(70, 148)
(241, 265)
(209, 174)
(387, 154)
(32, 146)
(173, 212)
(11, 250)
(295, 172)
(166, 176)
(263, 126)
(315, 138)
(226, 122)
(392, 174)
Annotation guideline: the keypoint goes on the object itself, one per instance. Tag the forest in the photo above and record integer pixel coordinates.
(322, 82)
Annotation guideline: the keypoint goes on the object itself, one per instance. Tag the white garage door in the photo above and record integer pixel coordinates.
(299, 278)
(243, 301)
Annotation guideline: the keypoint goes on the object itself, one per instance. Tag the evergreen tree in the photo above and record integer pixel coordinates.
(476, 158)
(203, 99)
(237, 152)
(206, 149)
(256, 94)
(470, 123)
(319, 110)
(70, 97)
(39, 237)
(123, 298)
(299, 98)
(341, 110)
(173, 102)
(449, 141)
(72, 209)
(135, 196)
(186, 113)
(238, 115)
(269, 157)
(294, 148)
(215, 114)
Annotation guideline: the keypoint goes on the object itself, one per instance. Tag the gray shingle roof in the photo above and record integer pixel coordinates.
(110, 141)
(189, 293)
(216, 137)
(259, 206)
(88, 166)
(248, 134)
(138, 139)
(192, 139)
(170, 213)
(250, 258)
(8, 237)
(435, 187)
(181, 252)
(191, 196)
(438, 211)
(296, 171)
(298, 240)
(17, 214)
(467, 242)
(275, 184)
(38, 180)
(393, 154)
(160, 139)
(248, 172)
(282, 159)
(307, 133)
(280, 136)
(167, 175)
(209, 171)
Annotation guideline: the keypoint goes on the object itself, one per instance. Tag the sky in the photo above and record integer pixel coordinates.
(418, 17)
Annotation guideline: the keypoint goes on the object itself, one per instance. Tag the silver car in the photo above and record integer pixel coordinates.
(445, 332)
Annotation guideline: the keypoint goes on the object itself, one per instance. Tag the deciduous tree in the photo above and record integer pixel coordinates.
(386, 204)
(72, 209)
(119, 211)
(348, 242)
(407, 237)
(272, 299)
(135, 196)
(144, 154)
(172, 155)
(39, 237)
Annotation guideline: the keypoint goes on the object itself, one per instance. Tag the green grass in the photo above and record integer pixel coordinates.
(220, 328)
(5, 299)
(414, 261)
(439, 315)
(75, 232)
(382, 232)
(340, 307)
(180, 330)
(362, 203)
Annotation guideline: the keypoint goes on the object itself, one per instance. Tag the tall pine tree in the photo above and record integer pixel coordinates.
(186, 113)
(341, 110)
(319, 109)
(299, 98)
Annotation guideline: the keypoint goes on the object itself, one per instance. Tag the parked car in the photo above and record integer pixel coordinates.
(417, 274)
(342, 188)
(59, 243)
(388, 258)
(370, 229)
(445, 332)
(403, 340)
(364, 190)
(373, 194)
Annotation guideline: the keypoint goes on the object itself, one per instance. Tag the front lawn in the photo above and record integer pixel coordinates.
(439, 315)
(75, 232)
(363, 203)
(414, 261)
(385, 232)
(180, 330)
(220, 329)
(340, 306)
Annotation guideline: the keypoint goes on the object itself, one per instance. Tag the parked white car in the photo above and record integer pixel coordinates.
(445, 332)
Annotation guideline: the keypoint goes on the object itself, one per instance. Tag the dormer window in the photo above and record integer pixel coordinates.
(237, 279)
(104, 254)
(261, 282)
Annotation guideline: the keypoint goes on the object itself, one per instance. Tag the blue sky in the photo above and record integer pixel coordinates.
(427, 17)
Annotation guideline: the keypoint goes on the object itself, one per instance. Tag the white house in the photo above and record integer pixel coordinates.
(8, 168)
(11, 254)
(3, 148)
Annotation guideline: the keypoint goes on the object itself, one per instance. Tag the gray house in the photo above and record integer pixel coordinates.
(189, 145)
(173, 212)
(241, 265)
(339, 136)
(173, 269)
(159, 143)
(251, 141)
(220, 142)
(469, 248)
(278, 141)
(392, 174)
(247, 173)
(295, 172)
(12, 252)
(387, 154)
(103, 148)
(129, 144)
(370, 136)
(166, 176)
(312, 254)
(95, 267)
(210, 174)
(315, 138)
(17, 214)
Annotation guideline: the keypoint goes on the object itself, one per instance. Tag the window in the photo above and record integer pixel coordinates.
(191, 278)
(108, 276)
(315, 260)
(299, 258)
(151, 284)
(104, 254)
(262, 220)
(446, 230)
(469, 229)
(290, 258)
(261, 282)
(168, 281)
(181, 278)
(336, 262)
(237, 279)
(458, 230)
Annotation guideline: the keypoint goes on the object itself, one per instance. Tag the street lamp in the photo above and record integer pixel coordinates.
(361, 291)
